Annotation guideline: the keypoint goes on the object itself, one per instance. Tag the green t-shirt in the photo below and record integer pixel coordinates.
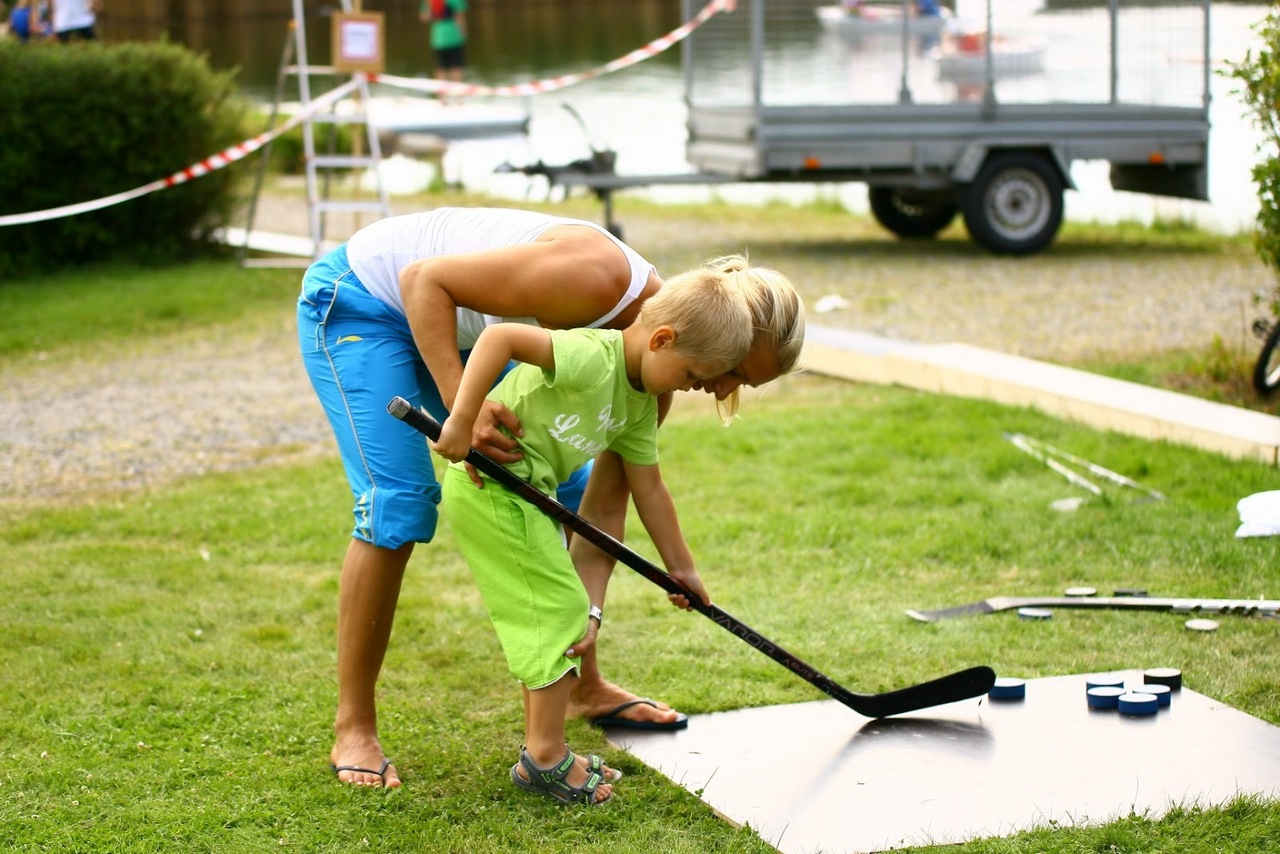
(583, 406)
(445, 32)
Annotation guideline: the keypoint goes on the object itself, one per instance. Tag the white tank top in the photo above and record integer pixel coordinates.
(379, 251)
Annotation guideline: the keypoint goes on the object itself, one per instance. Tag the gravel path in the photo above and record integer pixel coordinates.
(226, 401)
(211, 405)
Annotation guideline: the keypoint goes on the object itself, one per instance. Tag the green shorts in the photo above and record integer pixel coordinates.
(517, 556)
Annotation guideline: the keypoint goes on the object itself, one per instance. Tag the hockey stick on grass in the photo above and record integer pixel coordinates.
(1263, 607)
(947, 689)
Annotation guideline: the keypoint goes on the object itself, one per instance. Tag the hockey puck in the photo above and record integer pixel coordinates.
(1104, 680)
(1008, 688)
(1104, 697)
(1080, 591)
(1034, 613)
(1201, 624)
(1137, 704)
(1170, 676)
(1162, 693)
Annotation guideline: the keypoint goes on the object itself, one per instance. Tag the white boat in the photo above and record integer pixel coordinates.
(474, 119)
(448, 120)
(965, 58)
(879, 19)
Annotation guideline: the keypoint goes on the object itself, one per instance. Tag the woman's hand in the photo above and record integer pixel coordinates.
(490, 440)
(587, 643)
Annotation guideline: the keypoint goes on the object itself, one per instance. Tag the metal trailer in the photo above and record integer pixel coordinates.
(983, 119)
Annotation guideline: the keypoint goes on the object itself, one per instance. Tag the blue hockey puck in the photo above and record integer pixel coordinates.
(1104, 680)
(1162, 693)
(1170, 676)
(1034, 613)
(1008, 688)
(1137, 704)
(1105, 697)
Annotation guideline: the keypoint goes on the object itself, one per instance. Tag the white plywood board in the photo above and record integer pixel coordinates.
(819, 777)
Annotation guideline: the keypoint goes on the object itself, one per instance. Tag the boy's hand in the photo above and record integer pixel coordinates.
(689, 578)
(454, 441)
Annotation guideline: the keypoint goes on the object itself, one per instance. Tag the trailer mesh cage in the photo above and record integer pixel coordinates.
(783, 53)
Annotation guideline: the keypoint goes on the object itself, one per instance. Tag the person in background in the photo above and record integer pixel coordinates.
(577, 392)
(448, 21)
(75, 20)
(27, 21)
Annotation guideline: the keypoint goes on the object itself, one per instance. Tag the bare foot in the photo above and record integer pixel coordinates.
(361, 763)
(594, 699)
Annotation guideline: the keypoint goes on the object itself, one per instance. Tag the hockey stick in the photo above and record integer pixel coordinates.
(1046, 454)
(1262, 607)
(1020, 442)
(947, 689)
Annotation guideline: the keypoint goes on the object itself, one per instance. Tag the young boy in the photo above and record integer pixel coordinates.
(577, 393)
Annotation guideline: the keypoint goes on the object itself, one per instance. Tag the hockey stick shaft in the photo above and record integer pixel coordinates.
(1020, 442)
(947, 689)
(1262, 607)
(1030, 445)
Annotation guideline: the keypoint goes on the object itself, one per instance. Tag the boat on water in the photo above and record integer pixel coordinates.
(964, 57)
(464, 120)
(855, 20)
(467, 119)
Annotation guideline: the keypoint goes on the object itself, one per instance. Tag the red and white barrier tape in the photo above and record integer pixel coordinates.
(324, 102)
(195, 170)
(538, 87)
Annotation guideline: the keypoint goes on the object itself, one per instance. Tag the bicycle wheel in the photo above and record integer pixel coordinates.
(1266, 373)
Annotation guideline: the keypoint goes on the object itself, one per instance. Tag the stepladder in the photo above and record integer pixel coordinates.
(341, 155)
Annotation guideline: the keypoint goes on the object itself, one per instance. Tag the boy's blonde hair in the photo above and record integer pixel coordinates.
(710, 314)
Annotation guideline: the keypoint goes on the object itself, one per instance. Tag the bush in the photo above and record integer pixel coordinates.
(1259, 73)
(87, 121)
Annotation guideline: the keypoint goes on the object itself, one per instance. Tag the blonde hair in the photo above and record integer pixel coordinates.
(777, 317)
(709, 313)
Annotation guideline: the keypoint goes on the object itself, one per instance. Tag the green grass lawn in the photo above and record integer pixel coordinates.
(168, 655)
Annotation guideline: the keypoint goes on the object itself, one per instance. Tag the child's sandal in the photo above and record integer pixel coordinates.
(552, 781)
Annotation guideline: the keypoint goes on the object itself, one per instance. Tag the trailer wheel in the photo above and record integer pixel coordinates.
(911, 213)
(1014, 206)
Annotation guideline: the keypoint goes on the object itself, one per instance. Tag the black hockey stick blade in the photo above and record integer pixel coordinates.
(1262, 607)
(948, 689)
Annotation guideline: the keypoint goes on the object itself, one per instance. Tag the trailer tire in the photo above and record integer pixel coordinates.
(911, 213)
(1014, 206)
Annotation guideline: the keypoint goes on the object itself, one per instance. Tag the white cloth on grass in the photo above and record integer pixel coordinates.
(1259, 514)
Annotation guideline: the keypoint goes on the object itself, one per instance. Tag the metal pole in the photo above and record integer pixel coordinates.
(757, 56)
(904, 93)
(989, 95)
(1114, 11)
(1208, 64)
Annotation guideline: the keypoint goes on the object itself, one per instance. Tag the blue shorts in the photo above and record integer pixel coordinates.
(359, 354)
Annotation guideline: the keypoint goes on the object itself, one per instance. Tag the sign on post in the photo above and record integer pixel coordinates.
(359, 42)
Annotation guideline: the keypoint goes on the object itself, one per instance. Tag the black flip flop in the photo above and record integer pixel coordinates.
(611, 718)
(380, 773)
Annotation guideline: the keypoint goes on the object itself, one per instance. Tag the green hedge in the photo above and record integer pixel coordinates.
(86, 121)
